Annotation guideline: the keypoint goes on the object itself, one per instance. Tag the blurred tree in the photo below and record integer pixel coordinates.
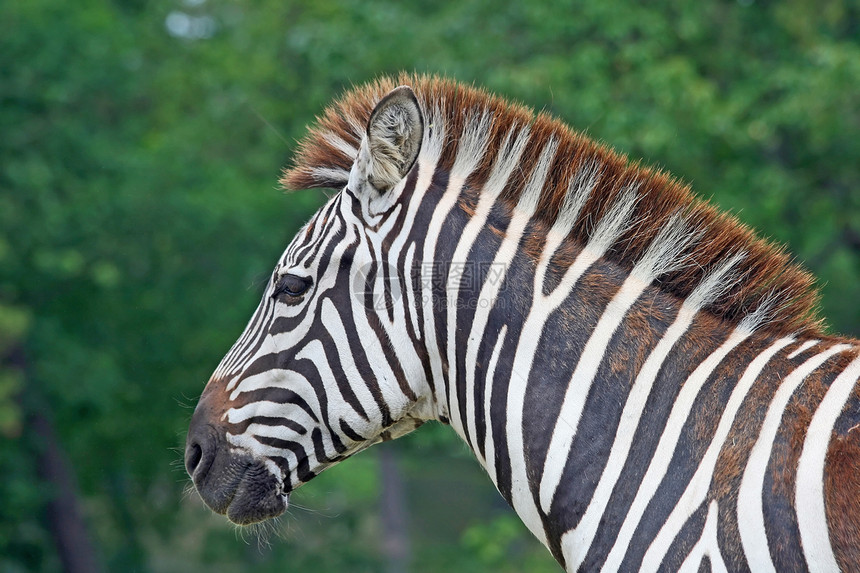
(139, 145)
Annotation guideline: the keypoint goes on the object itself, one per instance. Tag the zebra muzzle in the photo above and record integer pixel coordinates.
(231, 483)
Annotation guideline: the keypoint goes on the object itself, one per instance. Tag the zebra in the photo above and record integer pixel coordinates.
(645, 381)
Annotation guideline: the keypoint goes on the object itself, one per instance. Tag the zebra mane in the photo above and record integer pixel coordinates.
(767, 281)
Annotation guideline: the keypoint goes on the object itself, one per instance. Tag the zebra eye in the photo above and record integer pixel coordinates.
(291, 285)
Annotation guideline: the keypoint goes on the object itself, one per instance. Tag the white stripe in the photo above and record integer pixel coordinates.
(412, 307)
(505, 163)
(507, 160)
(531, 193)
(809, 492)
(493, 282)
(707, 546)
(329, 173)
(346, 148)
(473, 143)
(373, 342)
(803, 347)
(294, 414)
(486, 301)
(697, 489)
(578, 191)
(489, 446)
(718, 281)
(666, 446)
(617, 220)
(250, 445)
(750, 512)
(464, 163)
(269, 409)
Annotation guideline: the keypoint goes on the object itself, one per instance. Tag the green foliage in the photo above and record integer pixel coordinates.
(503, 545)
(138, 215)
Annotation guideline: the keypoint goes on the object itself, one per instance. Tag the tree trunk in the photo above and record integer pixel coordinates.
(62, 512)
(394, 513)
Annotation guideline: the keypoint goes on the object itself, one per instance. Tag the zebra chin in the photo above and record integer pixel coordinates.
(232, 483)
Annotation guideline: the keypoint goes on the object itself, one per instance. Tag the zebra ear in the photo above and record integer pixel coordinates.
(392, 142)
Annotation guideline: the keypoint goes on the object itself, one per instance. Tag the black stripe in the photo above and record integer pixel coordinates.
(274, 421)
(475, 272)
(280, 396)
(350, 433)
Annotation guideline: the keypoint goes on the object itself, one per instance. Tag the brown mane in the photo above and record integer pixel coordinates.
(769, 274)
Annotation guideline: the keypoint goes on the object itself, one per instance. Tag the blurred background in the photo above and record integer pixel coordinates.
(140, 144)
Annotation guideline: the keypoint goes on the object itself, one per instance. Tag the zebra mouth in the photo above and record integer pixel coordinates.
(258, 495)
(232, 483)
(246, 492)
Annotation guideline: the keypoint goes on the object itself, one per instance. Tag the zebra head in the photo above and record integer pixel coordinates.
(310, 381)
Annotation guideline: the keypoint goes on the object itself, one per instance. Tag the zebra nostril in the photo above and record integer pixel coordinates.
(200, 449)
(193, 455)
